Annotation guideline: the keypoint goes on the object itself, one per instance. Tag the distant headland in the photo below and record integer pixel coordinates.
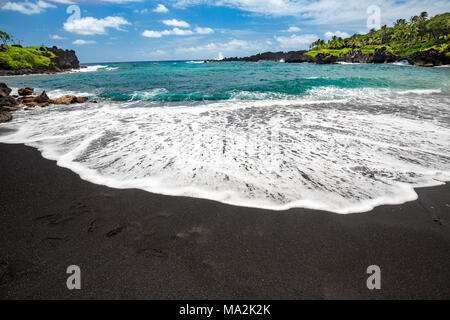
(420, 41)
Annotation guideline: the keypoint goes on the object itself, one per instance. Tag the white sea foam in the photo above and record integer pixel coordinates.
(403, 63)
(195, 62)
(420, 91)
(348, 63)
(277, 154)
(147, 95)
(90, 68)
(56, 93)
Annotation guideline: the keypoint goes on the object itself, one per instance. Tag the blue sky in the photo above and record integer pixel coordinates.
(143, 30)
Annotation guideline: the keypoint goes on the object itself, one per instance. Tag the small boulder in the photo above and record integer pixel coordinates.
(67, 99)
(42, 98)
(4, 90)
(8, 101)
(34, 101)
(26, 91)
(82, 99)
(5, 116)
(6, 108)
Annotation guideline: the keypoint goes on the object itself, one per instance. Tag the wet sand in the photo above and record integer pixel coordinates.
(138, 245)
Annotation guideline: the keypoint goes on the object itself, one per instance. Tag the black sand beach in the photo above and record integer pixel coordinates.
(138, 245)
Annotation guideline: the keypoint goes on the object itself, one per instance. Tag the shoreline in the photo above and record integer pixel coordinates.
(139, 245)
(22, 73)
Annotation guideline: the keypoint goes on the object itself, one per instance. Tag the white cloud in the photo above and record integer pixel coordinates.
(152, 34)
(329, 34)
(293, 29)
(161, 9)
(176, 32)
(336, 12)
(218, 46)
(45, 5)
(204, 30)
(176, 23)
(27, 7)
(63, 1)
(121, 1)
(56, 37)
(296, 42)
(90, 25)
(140, 11)
(191, 48)
(83, 42)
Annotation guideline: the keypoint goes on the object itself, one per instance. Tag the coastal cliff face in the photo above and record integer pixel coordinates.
(60, 61)
(427, 58)
(65, 59)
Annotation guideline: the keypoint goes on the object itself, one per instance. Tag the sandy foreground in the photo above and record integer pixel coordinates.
(138, 245)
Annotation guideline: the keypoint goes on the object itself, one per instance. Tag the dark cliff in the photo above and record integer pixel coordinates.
(65, 59)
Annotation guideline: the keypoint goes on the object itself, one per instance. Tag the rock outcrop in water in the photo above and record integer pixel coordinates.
(25, 91)
(4, 90)
(9, 104)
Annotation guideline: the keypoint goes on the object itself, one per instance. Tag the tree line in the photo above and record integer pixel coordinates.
(417, 29)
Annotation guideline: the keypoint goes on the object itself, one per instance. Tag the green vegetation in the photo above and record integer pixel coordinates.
(14, 57)
(403, 39)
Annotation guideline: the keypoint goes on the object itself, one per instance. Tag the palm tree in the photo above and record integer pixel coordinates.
(414, 19)
(5, 37)
(384, 34)
(400, 23)
(424, 15)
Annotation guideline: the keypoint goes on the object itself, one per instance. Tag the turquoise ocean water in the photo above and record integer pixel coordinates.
(342, 138)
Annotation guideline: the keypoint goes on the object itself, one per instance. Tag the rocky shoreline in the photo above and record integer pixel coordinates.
(429, 58)
(26, 100)
(66, 60)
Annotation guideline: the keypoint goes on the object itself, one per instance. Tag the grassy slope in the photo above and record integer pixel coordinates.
(15, 58)
(400, 49)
